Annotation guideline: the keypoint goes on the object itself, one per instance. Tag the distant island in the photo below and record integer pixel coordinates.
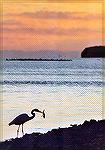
(93, 52)
(32, 59)
(88, 136)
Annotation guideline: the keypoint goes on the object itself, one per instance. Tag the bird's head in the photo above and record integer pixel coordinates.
(36, 110)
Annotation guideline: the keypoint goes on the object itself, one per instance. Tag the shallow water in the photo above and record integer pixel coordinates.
(69, 91)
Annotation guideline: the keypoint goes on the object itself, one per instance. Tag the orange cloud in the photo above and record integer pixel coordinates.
(51, 31)
(56, 15)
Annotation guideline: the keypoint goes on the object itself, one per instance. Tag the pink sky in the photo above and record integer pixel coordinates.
(56, 26)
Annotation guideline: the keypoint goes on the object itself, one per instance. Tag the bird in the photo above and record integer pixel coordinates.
(22, 118)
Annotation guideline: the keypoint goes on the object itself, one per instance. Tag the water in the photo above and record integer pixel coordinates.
(69, 91)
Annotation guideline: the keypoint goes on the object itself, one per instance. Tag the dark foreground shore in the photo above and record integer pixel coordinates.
(88, 136)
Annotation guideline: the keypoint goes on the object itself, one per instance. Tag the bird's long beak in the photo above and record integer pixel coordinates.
(40, 111)
(43, 112)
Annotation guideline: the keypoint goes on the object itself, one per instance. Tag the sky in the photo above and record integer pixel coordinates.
(32, 26)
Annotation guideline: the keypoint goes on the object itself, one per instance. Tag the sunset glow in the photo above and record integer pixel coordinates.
(51, 26)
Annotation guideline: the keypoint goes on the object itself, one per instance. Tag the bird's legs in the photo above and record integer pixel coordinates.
(22, 130)
(18, 131)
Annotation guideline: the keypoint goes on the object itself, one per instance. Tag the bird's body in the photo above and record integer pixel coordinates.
(22, 118)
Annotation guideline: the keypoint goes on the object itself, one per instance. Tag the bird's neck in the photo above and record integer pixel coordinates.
(33, 115)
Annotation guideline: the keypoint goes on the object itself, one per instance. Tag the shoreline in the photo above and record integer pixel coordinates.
(88, 136)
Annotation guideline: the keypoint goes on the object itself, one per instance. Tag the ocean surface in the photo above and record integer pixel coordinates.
(69, 91)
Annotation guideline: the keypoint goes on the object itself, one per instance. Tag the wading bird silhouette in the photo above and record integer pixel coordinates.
(22, 118)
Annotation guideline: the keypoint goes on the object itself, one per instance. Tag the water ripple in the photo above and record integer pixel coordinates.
(69, 83)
